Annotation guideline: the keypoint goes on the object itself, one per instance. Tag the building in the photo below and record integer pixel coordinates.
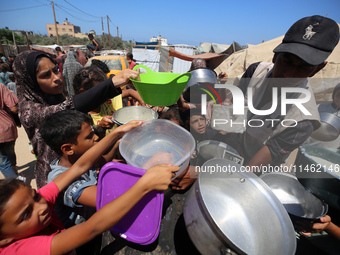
(164, 41)
(65, 29)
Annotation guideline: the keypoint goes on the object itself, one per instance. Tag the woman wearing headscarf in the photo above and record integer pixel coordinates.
(70, 68)
(39, 87)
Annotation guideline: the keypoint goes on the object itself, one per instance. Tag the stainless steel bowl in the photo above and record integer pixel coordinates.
(318, 170)
(201, 75)
(128, 113)
(303, 207)
(329, 129)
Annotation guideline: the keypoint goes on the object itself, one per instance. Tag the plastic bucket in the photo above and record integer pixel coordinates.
(157, 142)
(160, 89)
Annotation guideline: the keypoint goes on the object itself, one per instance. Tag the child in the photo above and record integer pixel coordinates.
(90, 77)
(70, 134)
(27, 220)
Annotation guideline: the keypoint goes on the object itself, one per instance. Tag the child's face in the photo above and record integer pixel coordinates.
(85, 139)
(26, 213)
(198, 123)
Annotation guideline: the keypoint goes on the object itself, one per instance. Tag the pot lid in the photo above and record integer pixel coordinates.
(242, 209)
(142, 223)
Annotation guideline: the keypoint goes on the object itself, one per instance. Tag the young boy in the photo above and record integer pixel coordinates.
(29, 225)
(70, 134)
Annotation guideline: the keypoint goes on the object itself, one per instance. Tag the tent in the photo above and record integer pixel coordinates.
(322, 83)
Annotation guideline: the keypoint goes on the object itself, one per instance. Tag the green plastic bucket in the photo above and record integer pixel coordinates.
(160, 89)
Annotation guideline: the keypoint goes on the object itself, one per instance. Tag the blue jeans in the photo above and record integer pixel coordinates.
(7, 159)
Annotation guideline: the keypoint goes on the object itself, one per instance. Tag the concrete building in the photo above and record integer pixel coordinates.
(65, 29)
(164, 41)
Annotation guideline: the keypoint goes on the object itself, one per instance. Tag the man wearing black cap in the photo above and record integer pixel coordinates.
(302, 53)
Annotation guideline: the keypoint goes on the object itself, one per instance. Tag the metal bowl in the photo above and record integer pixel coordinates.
(209, 149)
(329, 129)
(201, 75)
(236, 211)
(128, 113)
(303, 207)
(318, 170)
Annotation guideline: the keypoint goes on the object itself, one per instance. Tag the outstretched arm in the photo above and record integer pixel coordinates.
(156, 178)
(91, 156)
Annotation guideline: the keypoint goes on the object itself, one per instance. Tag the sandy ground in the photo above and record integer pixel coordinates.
(25, 159)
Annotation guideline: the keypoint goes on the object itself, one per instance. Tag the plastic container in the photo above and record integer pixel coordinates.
(160, 89)
(142, 223)
(157, 142)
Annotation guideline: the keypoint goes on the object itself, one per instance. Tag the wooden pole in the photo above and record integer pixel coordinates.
(55, 24)
(117, 32)
(167, 62)
(2, 48)
(16, 46)
(103, 33)
(27, 41)
(108, 28)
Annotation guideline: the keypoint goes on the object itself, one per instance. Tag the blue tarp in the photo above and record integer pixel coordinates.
(143, 44)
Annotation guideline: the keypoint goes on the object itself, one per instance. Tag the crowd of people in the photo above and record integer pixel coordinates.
(66, 110)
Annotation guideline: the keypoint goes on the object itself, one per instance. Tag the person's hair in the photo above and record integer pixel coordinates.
(57, 48)
(63, 127)
(86, 77)
(7, 189)
(11, 77)
(91, 36)
(11, 55)
(130, 56)
(101, 65)
(4, 68)
(172, 114)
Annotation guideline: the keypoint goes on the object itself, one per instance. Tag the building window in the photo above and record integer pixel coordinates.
(70, 30)
(63, 29)
(49, 28)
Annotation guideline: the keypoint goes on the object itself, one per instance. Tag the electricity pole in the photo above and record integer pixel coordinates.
(103, 33)
(55, 24)
(117, 32)
(108, 27)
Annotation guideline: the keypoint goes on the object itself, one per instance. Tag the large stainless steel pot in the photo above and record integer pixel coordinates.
(236, 212)
(329, 129)
(303, 207)
(318, 169)
(128, 113)
(202, 75)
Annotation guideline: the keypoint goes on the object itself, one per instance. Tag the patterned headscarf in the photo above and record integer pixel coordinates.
(71, 67)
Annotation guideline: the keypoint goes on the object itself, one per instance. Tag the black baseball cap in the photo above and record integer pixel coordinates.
(311, 38)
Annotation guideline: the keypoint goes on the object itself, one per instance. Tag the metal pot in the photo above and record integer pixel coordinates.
(209, 149)
(128, 113)
(201, 75)
(236, 211)
(303, 208)
(318, 170)
(329, 129)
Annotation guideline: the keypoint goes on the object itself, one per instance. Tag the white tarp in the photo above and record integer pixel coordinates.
(149, 58)
(181, 66)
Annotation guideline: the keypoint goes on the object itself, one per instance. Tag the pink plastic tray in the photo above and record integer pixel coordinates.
(141, 225)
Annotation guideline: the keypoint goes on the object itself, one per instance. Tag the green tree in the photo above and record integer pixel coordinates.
(7, 35)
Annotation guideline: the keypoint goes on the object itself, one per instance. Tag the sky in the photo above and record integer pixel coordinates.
(180, 22)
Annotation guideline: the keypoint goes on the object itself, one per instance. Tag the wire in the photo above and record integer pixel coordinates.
(61, 9)
(24, 8)
(81, 10)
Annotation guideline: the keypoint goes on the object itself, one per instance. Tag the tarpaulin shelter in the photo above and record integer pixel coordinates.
(322, 83)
